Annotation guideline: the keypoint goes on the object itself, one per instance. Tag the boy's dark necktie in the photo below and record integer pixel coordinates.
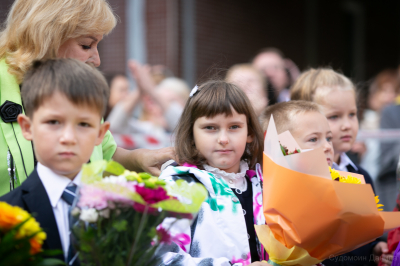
(69, 196)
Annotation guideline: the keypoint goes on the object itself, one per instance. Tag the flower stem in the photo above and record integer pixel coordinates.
(139, 232)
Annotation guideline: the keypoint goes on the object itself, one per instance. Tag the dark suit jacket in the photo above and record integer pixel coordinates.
(32, 197)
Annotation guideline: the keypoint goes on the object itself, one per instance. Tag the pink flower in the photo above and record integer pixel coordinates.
(152, 196)
(180, 239)
(163, 235)
(119, 199)
(92, 197)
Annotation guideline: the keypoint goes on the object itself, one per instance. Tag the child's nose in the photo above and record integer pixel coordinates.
(346, 124)
(327, 146)
(68, 135)
(223, 138)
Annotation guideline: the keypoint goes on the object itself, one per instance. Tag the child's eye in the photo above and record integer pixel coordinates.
(209, 128)
(83, 124)
(313, 140)
(235, 127)
(86, 47)
(352, 114)
(333, 117)
(53, 122)
(329, 139)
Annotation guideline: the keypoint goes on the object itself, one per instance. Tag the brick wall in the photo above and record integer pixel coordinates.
(232, 31)
(112, 48)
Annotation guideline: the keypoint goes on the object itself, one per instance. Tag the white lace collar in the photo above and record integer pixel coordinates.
(234, 180)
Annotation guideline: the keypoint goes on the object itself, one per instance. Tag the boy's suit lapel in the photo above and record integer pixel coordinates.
(38, 203)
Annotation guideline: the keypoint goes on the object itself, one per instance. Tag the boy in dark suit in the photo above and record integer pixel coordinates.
(64, 102)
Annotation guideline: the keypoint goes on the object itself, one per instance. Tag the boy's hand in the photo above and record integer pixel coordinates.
(381, 251)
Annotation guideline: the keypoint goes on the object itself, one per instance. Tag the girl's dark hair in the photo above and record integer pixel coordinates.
(214, 98)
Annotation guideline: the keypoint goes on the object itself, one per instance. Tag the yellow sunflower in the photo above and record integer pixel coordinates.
(350, 180)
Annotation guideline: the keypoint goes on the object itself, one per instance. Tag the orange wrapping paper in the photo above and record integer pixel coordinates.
(313, 212)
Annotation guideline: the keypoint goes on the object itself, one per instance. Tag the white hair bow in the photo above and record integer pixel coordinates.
(193, 92)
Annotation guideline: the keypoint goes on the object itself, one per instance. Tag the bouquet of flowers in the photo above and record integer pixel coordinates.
(21, 239)
(309, 215)
(119, 212)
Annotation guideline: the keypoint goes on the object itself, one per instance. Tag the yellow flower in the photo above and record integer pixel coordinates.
(351, 180)
(334, 174)
(377, 203)
(11, 216)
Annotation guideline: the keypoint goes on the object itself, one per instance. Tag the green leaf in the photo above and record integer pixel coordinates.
(93, 171)
(192, 195)
(120, 225)
(144, 175)
(114, 168)
(51, 262)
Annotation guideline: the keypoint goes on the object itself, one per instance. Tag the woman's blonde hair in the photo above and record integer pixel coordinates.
(314, 84)
(35, 29)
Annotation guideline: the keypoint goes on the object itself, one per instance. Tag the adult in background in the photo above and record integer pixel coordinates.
(280, 72)
(162, 106)
(389, 153)
(42, 29)
(382, 93)
(119, 90)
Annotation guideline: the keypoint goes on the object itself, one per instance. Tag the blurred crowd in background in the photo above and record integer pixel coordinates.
(174, 44)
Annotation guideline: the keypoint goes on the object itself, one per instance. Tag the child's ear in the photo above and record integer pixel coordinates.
(249, 139)
(102, 132)
(25, 124)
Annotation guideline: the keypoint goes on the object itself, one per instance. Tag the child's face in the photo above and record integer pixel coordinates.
(222, 140)
(311, 130)
(340, 109)
(63, 134)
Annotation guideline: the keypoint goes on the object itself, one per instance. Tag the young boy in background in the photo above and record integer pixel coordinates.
(305, 122)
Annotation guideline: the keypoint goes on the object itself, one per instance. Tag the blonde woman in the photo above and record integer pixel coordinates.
(43, 29)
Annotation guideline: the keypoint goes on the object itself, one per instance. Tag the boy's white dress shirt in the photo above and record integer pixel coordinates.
(344, 162)
(55, 185)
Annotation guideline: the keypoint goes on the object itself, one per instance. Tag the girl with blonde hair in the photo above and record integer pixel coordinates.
(40, 30)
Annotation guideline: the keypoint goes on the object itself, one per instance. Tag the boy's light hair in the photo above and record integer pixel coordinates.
(80, 83)
(35, 29)
(285, 114)
(315, 84)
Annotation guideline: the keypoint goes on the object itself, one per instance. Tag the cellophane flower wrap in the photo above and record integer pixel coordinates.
(309, 216)
(119, 212)
(21, 239)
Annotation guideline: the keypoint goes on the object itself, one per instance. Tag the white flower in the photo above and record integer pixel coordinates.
(114, 179)
(89, 215)
(76, 211)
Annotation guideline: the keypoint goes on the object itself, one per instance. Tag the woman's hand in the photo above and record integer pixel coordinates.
(144, 160)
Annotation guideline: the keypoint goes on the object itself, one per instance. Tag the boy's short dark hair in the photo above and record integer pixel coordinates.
(82, 84)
